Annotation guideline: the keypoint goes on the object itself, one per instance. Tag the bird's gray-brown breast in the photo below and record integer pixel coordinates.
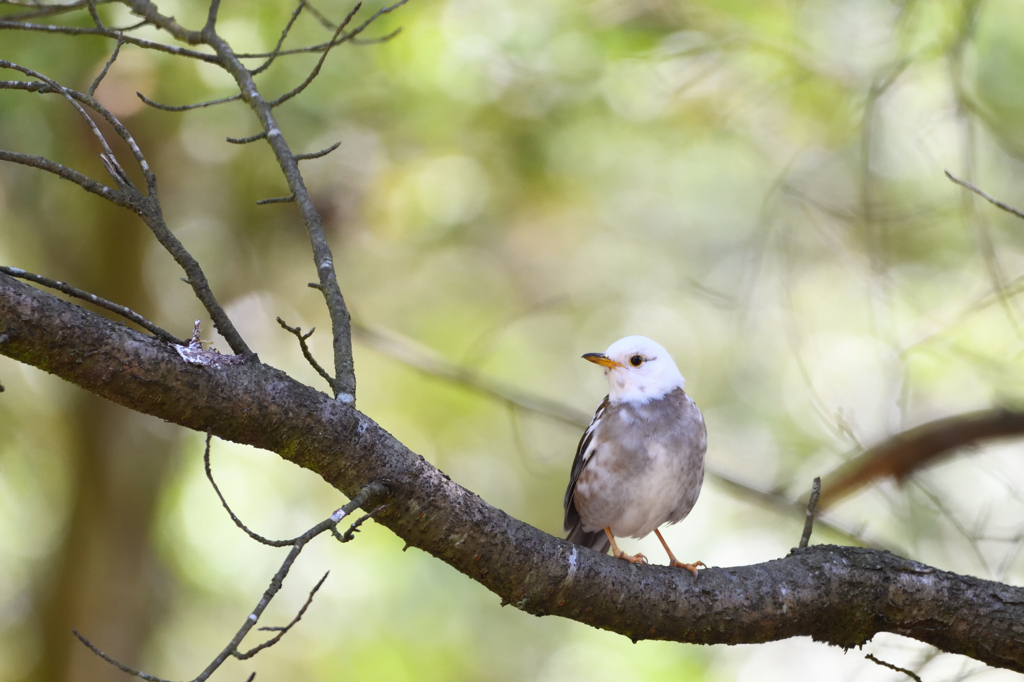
(643, 466)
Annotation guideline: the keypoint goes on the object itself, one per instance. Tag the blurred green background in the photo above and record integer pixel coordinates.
(757, 186)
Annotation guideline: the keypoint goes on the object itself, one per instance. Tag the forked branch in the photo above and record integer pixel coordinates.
(146, 206)
(297, 544)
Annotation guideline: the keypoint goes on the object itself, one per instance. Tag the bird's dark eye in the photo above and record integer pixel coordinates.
(636, 361)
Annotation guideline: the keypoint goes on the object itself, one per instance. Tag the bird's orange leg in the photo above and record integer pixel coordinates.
(692, 568)
(619, 554)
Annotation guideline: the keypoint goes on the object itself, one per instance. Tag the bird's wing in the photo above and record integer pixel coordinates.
(583, 454)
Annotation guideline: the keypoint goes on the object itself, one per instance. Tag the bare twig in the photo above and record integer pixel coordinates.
(343, 38)
(188, 107)
(48, 10)
(116, 663)
(909, 673)
(106, 67)
(46, 87)
(94, 13)
(375, 41)
(247, 140)
(110, 33)
(973, 218)
(354, 528)
(151, 213)
(410, 353)
(149, 209)
(238, 522)
(277, 200)
(319, 16)
(319, 64)
(971, 537)
(305, 350)
(317, 155)
(297, 545)
(83, 181)
(61, 90)
(121, 310)
(811, 505)
(283, 630)
(211, 17)
(280, 41)
(987, 197)
(115, 171)
(99, 22)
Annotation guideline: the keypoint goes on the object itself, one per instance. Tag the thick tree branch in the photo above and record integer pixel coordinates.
(840, 595)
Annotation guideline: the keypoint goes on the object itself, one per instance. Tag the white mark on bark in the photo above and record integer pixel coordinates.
(572, 567)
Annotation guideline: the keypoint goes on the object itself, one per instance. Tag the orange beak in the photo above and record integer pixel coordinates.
(602, 359)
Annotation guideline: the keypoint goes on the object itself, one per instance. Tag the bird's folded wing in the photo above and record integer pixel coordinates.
(583, 453)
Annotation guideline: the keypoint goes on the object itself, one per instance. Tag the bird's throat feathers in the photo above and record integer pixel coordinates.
(636, 389)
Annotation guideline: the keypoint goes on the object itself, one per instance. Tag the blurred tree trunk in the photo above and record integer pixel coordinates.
(106, 580)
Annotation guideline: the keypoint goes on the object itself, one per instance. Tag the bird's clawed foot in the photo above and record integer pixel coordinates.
(692, 568)
(631, 558)
(676, 563)
(619, 554)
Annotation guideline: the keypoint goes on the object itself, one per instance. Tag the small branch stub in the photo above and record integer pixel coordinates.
(194, 354)
(811, 505)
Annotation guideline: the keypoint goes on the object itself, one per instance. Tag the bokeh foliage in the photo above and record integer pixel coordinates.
(757, 186)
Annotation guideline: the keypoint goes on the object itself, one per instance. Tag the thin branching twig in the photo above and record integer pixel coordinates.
(297, 544)
(280, 41)
(110, 33)
(247, 140)
(188, 107)
(305, 350)
(276, 200)
(909, 673)
(984, 195)
(121, 310)
(106, 67)
(317, 155)
(48, 10)
(319, 63)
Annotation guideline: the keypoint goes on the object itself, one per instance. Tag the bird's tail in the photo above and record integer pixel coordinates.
(596, 540)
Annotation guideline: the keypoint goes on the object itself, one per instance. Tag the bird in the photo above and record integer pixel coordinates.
(640, 463)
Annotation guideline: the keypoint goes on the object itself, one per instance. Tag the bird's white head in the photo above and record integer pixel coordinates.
(638, 370)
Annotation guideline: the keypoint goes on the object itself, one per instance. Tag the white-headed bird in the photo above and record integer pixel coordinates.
(640, 463)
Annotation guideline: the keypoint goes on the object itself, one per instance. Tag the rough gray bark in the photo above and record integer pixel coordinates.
(839, 595)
